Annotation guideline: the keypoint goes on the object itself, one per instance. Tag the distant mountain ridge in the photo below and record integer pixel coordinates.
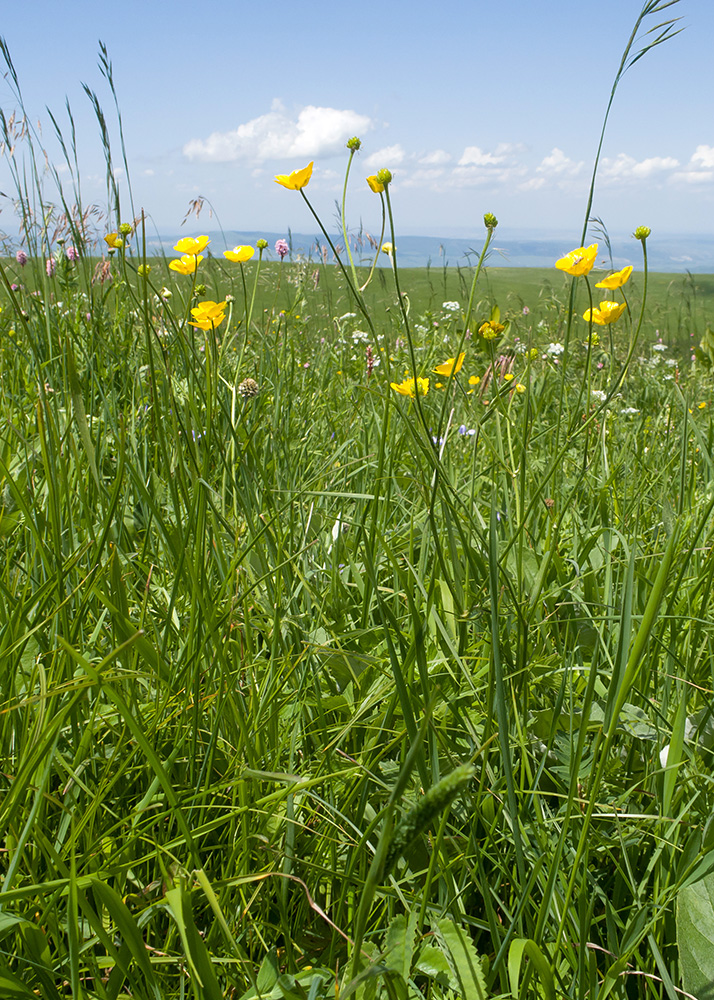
(675, 254)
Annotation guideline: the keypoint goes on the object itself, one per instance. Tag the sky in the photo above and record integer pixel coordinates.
(488, 107)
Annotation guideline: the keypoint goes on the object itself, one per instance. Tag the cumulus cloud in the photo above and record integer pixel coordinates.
(389, 156)
(703, 156)
(558, 163)
(276, 135)
(474, 156)
(625, 167)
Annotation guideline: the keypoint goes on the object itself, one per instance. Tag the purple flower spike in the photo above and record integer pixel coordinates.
(72, 253)
(21, 258)
(50, 266)
(282, 249)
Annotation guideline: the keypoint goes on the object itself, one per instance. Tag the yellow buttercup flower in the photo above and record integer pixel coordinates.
(490, 329)
(239, 254)
(375, 185)
(520, 387)
(388, 249)
(578, 262)
(451, 366)
(509, 376)
(616, 280)
(474, 380)
(186, 264)
(207, 315)
(410, 388)
(113, 241)
(607, 313)
(296, 180)
(192, 244)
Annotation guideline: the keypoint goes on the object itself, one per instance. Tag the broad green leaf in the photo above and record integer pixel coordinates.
(465, 965)
(526, 948)
(695, 937)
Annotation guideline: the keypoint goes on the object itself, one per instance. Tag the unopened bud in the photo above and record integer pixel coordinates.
(125, 228)
(384, 176)
(261, 244)
(490, 221)
(354, 143)
(200, 289)
(144, 270)
(642, 232)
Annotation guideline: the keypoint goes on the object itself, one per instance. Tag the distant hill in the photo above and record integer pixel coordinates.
(693, 253)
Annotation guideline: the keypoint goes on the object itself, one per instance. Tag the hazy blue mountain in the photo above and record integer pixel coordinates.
(510, 249)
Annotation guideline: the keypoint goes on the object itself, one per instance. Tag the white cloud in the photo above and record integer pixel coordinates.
(474, 156)
(558, 163)
(534, 184)
(692, 177)
(389, 156)
(275, 135)
(436, 158)
(625, 167)
(703, 156)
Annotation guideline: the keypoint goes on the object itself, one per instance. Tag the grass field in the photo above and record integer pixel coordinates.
(353, 643)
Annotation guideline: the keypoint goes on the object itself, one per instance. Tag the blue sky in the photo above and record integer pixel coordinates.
(491, 107)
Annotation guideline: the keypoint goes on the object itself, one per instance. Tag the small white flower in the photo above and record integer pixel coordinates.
(599, 395)
(628, 411)
(554, 350)
(450, 306)
(659, 347)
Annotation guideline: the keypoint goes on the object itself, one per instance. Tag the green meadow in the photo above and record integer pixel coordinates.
(355, 631)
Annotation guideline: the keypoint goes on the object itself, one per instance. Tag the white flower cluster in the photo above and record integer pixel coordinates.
(554, 350)
(451, 306)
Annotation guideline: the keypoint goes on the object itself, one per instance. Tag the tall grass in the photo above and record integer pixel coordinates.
(331, 691)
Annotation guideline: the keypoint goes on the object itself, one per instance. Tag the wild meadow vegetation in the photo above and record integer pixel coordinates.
(354, 641)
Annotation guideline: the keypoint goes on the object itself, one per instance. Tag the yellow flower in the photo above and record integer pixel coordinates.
(520, 387)
(296, 180)
(113, 241)
(439, 385)
(375, 185)
(490, 329)
(702, 406)
(208, 315)
(451, 366)
(508, 376)
(410, 388)
(239, 254)
(474, 380)
(387, 248)
(607, 313)
(616, 280)
(186, 264)
(192, 244)
(579, 261)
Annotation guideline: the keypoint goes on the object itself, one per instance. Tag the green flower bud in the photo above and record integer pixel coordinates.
(642, 232)
(125, 228)
(261, 244)
(144, 270)
(354, 143)
(490, 221)
(384, 176)
(200, 289)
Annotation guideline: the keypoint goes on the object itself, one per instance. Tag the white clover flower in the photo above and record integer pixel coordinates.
(554, 350)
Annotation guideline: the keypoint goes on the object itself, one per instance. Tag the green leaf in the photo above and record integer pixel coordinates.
(526, 948)
(695, 937)
(464, 964)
